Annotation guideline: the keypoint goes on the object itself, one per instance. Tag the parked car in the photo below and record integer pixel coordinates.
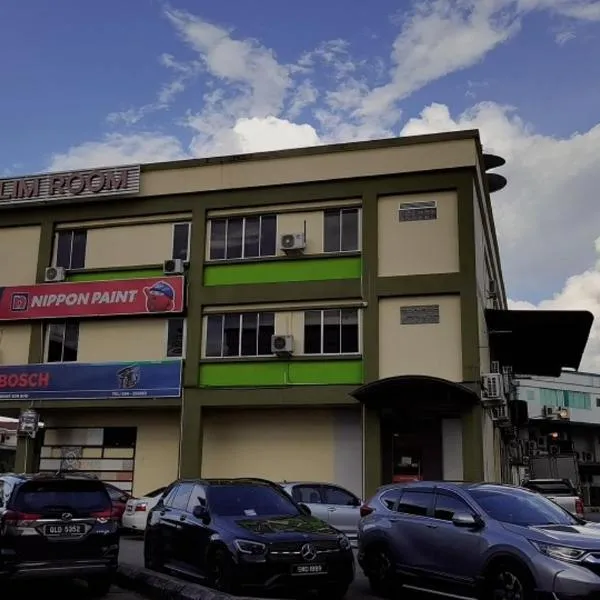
(479, 541)
(119, 499)
(56, 526)
(136, 510)
(331, 503)
(246, 533)
(560, 491)
(384, 499)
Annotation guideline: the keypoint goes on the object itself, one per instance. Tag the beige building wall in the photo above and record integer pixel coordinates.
(132, 245)
(157, 451)
(429, 349)
(428, 156)
(277, 444)
(117, 340)
(418, 247)
(19, 247)
(14, 343)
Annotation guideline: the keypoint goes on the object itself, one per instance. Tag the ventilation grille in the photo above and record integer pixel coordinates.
(417, 211)
(420, 315)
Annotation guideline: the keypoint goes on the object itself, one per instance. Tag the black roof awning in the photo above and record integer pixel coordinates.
(538, 342)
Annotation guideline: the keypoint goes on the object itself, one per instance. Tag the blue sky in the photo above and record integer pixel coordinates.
(89, 83)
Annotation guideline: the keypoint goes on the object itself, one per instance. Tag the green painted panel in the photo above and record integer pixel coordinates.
(279, 271)
(280, 373)
(106, 275)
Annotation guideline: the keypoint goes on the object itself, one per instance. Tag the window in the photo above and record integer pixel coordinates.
(176, 335)
(182, 496)
(181, 241)
(598, 402)
(63, 341)
(243, 237)
(307, 494)
(446, 505)
(389, 498)
(331, 331)
(197, 498)
(415, 502)
(246, 334)
(70, 249)
(341, 230)
(338, 496)
(249, 501)
(119, 437)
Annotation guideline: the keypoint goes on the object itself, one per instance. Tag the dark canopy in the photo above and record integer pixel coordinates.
(538, 342)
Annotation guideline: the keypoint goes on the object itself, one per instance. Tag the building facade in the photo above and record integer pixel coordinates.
(316, 314)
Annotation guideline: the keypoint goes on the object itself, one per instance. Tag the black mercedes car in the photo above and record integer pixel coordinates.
(246, 533)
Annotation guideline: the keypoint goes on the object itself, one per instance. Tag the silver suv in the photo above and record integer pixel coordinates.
(479, 540)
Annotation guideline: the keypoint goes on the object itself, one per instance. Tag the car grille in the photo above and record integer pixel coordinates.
(291, 549)
(592, 562)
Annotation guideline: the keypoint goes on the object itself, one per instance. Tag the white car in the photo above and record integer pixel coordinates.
(136, 510)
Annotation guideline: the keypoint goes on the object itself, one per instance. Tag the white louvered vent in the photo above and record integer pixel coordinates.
(420, 315)
(417, 211)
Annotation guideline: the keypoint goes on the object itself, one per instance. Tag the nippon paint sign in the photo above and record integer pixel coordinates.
(71, 185)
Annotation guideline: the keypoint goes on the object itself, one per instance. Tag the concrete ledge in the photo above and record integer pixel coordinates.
(158, 586)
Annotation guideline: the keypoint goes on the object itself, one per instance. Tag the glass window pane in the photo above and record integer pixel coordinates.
(349, 229)
(63, 249)
(249, 334)
(214, 335)
(331, 237)
(231, 335)
(78, 250)
(312, 332)
(252, 237)
(218, 229)
(266, 330)
(268, 235)
(415, 503)
(181, 236)
(447, 506)
(71, 343)
(175, 338)
(56, 336)
(234, 238)
(349, 330)
(331, 332)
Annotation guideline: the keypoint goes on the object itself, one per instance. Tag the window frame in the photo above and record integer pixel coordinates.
(71, 233)
(240, 330)
(48, 328)
(183, 338)
(180, 487)
(355, 499)
(340, 353)
(307, 486)
(189, 239)
(452, 495)
(227, 219)
(429, 491)
(340, 212)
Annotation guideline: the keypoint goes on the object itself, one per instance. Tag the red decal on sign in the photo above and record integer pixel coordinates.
(92, 299)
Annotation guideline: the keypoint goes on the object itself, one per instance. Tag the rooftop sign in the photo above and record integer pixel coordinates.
(71, 185)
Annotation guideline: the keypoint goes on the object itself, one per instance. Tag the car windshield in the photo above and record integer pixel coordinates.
(520, 507)
(249, 501)
(68, 495)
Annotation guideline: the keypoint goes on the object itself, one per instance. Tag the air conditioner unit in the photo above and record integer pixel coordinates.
(292, 242)
(54, 274)
(173, 266)
(282, 345)
(493, 386)
(500, 416)
(532, 447)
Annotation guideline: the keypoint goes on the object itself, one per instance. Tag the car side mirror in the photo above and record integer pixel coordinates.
(200, 512)
(304, 509)
(465, 520)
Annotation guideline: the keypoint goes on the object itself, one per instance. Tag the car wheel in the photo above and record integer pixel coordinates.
(99, 587)
(508, 581)
(221, 574)
(153, 556)
(380, 572)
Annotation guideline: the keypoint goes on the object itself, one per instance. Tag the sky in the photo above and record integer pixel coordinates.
(106, 83)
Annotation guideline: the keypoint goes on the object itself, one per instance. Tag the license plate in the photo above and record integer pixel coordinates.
(66, 530)
(308, 569)
(130, 509)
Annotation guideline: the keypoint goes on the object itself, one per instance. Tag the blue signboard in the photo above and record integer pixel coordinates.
(84, 381)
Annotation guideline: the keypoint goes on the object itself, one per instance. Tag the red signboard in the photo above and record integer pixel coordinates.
(110, 298)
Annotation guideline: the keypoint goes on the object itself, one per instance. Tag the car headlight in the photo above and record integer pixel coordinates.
(344, 542)
(248, 547)
(560, 552)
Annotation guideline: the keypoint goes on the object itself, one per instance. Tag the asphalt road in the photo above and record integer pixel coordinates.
(64, 591)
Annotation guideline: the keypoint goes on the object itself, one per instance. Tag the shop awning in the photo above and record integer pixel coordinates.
(419, 393)
(538, 342)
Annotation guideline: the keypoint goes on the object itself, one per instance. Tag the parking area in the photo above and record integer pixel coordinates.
(61, 590)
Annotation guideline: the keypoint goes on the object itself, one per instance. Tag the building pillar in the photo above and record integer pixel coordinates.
(472, 444)
(371, 451)
(191, 435)
(26, 455)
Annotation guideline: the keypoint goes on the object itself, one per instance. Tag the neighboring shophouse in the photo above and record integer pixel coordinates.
(8, 445)
(323, 313)
(575, 398)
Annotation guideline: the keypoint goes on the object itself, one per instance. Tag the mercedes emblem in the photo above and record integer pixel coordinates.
(308, 552)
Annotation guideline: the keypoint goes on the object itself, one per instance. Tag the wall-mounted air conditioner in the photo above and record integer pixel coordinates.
(282, 345)
(54, 274)
(292, 242)
(492, 385)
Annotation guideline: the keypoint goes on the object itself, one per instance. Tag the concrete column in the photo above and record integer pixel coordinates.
(191, 435)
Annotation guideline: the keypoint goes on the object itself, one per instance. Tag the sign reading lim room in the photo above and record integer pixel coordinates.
(83, 381)
(111, 298)
(72, 185)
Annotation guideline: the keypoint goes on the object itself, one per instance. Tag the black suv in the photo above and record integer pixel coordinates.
(239, 533)
(56, 526)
